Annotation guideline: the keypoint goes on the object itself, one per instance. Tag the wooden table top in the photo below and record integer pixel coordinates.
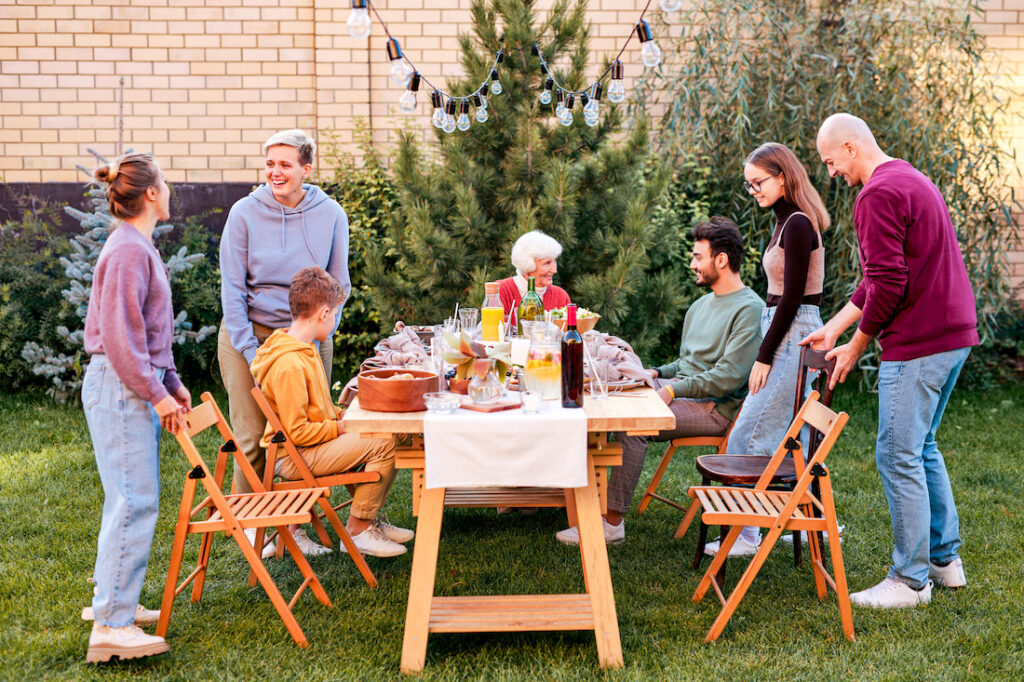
(639, 411)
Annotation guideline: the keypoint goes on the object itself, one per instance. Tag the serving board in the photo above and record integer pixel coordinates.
(493, 407)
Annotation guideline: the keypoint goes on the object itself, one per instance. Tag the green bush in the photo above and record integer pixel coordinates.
(747, 72)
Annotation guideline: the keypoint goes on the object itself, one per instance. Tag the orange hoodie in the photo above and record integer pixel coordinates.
(292, 377)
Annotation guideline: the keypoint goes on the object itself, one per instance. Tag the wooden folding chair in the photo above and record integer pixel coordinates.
(281, 439)
(233, 514)
(778, 511)
(717, 442)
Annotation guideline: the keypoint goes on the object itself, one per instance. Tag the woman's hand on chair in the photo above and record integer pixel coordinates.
(758, 376)
(184, 398)
(170, 413)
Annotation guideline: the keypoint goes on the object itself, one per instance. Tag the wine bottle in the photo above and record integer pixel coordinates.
(572, 362)
(531, 307)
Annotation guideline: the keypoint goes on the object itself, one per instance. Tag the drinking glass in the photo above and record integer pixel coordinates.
(598, 369)
(468, 318)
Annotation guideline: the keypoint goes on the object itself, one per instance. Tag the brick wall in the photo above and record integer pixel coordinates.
(207, 81)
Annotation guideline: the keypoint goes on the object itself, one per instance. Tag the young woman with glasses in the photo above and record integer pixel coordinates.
(795, 265)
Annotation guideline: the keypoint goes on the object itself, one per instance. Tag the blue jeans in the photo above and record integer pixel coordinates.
(125, 435)
(912, 395)
(767, 414)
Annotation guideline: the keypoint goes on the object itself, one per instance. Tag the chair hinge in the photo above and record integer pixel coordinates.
(229, 446)
(197, 473)
(792, 444)
(818, 470)
(278, 438)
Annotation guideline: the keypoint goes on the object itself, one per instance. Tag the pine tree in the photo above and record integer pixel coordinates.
(461, 205)
(65, 369)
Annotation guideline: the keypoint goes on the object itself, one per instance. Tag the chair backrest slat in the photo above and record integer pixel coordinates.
(819, 416)
(202, 417)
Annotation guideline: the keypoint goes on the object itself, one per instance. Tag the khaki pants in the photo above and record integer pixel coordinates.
(344, 453)
(247, 421)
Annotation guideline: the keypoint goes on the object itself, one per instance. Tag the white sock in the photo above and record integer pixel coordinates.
(752, 534)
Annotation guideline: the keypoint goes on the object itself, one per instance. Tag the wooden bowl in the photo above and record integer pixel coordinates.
(380, 394)
(583, 324)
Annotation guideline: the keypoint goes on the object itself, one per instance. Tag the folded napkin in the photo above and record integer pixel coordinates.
(402, 349)
(616, 360)
(510, 448)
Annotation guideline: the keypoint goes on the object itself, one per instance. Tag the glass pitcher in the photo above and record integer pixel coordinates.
(544, 359)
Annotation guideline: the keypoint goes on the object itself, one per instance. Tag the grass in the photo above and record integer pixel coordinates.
(50, 502)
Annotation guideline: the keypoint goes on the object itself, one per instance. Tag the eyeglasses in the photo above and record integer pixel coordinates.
(754, 186)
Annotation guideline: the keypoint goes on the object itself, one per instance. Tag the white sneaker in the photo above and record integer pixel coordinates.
(613, 535)
(951, 575)
(143, 616)
(124, 643)
(892, 594)
(788, 537)
(307, 546)
(739, 548)
(372, 541)
(269, 548)
(392, 532)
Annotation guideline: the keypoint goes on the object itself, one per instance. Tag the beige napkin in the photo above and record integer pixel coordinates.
(617, 361)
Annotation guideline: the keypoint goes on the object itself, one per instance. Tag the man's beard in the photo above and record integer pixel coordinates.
(708, 278)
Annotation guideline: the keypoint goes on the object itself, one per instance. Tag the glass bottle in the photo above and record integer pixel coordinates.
(491, 313)
(572, 362)
(531, 307)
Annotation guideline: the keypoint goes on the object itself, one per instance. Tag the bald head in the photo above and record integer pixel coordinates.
(848, 148)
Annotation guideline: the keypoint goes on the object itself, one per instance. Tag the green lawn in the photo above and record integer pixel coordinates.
(50, 500)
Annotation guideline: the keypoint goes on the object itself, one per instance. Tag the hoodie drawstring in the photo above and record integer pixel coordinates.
(306, 237)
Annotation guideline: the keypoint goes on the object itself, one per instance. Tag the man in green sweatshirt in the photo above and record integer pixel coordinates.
(706, 385)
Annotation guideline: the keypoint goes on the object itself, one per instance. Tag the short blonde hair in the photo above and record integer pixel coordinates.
(531, 247)
(294, 138)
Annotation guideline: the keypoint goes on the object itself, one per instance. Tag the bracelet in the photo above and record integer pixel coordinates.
(671, 391)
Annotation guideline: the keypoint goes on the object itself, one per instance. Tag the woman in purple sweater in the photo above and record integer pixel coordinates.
(130, 390)
(794, 263)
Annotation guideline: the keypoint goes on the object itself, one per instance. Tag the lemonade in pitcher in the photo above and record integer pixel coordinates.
(544, 371)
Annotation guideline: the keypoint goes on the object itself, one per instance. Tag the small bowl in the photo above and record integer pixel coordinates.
(444, 402)
(583, 324)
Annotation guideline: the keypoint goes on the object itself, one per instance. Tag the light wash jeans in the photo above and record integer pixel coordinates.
(125, 435)
(768, 413)
(912, 395)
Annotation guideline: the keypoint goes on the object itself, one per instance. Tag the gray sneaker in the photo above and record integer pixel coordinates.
(951, 575)
(392, 532)
(613, 535)
(373, 542)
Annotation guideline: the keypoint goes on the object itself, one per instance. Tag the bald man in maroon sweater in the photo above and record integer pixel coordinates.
(915, 297)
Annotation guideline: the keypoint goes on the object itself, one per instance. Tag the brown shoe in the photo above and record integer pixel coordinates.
(123, 643)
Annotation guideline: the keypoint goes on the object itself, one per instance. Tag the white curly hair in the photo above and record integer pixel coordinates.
(531, 247)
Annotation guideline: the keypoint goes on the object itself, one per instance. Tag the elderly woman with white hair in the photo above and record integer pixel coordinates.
(534, 255)
(283, 226)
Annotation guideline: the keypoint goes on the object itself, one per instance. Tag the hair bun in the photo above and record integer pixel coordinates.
(106, 173)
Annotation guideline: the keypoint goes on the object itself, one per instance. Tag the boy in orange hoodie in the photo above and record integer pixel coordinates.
(288, 369)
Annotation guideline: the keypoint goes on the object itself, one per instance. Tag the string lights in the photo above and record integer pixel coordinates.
(447, 106)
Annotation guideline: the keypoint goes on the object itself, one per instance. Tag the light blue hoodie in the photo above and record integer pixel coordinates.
(263, 245)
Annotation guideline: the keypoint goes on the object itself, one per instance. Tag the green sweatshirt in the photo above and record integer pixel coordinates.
(721, 336)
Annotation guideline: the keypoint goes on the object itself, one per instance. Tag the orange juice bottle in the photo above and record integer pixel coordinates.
(491, 313)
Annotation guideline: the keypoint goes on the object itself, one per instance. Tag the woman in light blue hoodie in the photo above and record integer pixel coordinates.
(281, 227)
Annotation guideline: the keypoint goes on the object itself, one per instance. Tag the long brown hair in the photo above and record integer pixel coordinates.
(778, 159)
(127, 180)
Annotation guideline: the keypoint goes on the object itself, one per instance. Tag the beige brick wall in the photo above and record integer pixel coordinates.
(206, 81)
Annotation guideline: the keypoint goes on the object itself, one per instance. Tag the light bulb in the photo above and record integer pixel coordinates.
(359, 22)
(560, 110)
(400, 72)
(438, 118)
(483, 101)
(669, 5)
(591, 111)
(449, 124)
(481, 114)
(407, 102)
(566, 118)
(616, 91)
(650, 54)
(495, 83)
(545, 97)
(590, 120)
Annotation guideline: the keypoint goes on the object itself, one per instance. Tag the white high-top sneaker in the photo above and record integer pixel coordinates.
(143, 616)
(124, 643)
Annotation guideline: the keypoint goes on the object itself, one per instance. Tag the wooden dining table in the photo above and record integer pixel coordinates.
(639, 412)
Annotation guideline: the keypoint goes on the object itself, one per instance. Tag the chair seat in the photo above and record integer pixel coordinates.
(732, 506)
(743, 469)
(264, 509)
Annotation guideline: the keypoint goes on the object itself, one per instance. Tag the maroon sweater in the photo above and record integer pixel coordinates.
(130, 318)
(915, 295)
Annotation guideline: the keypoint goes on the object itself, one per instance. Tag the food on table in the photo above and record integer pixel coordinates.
(581, 313)
(403, 375)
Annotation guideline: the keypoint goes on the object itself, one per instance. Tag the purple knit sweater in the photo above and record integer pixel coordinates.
(130, 318)
(915, 295)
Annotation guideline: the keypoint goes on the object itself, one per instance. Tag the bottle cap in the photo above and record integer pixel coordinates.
(570, 314)
(491, 287)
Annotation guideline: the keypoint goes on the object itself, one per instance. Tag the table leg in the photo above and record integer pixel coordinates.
(421, 582)
(597, 573)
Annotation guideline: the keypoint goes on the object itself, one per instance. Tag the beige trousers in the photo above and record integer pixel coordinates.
(344, 453)
(247, 421)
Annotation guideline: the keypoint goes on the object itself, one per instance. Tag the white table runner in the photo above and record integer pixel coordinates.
(478, 450)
